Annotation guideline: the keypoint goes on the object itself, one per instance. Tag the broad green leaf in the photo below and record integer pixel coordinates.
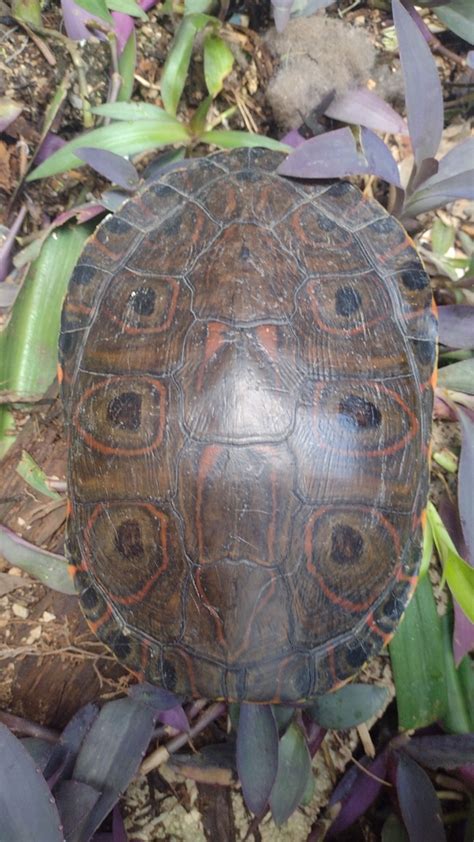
(128, 7)
(193, 6)
(31, 472)
(7, 429)
(96, 7)
(349, 706)
(458, 16)
(127, 65)
(27, 810)
(442, 237)
(427, 550)
(29, 343)
(127, 138)
(135, 111)
(27, 10)
(393, 830)
(175, 70)
(457, 572)
(459, 714)
(49, 568)
(416, 653)
(293, 774)
(459, 377)
(218, 62)
(237, 139)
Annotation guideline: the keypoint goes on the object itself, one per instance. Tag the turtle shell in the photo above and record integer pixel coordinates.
(247, 368)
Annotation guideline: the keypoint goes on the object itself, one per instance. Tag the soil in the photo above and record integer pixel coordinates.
(50, 663)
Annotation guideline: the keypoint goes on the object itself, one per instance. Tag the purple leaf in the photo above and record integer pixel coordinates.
(463, 632)
(51, 143)
(335, 155)
(466, 480)
(457, 160)
(26, 808)
(155, 698)
(281, 13)
(75, 802)
(75, 19)
(357, 791)
(435, 193)
(112, 166)
(119, 834)
(257, 754)
(66, 749)
(6, 248)
(124, 24)
(456, 325)
(293, 138)
(379, 158)
(111, 754)
(442, 751)
(365, 108)
(470, 59)
(9, 111)
(176, 718)
(294, 771)
(423, 95)
(419, 805)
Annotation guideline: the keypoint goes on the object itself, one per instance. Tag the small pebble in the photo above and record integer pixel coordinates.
(47, 617)
(14, 571)
(20, 610)
(34, 635)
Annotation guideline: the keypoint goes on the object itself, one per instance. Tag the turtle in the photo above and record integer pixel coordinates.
(247, 368)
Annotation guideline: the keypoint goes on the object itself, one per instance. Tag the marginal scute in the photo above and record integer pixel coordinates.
(247, 377)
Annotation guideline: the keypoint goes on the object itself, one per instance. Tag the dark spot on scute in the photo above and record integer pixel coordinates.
(356, 656)
(142, 300)
(348, 301)
(120, 645)
(89, 599)
(325, 223)
(169, 675)
(124, 411)
(389, 613)
(67, 342)
(414, 279)
(425, 352)
(114, 225)
(83, 274)
(245, 253)
(357, 413)
(346, 544)
(171, 226)
(128, 540)
(340, 188)
(384, 226)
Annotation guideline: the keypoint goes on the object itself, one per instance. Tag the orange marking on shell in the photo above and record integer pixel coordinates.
(332, 665)
(95, 444)
(434, 379)
(267, 336)
(68, 507)
(72, 570)
(60, 373)
(215, 339)
(131, 330)
(386, 451)
(96, 624)
(218, 623)
(83, 309)
(400, 576)
(377, 630)
(337, 331)
(189, 669)
(398, 249)
(209, 456)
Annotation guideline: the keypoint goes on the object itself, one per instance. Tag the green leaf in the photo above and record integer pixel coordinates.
(237, 139)
(427, 550)
(128, 7)
(96, 7)
(293, 774)
(458, 573)
(49, 568)
(393, 830)
(175, 70)
(459, 17)
(29, 343)
(135, 111)
(198, 121)
(218, 62)
(127, 64)
(31, 472)
(459, 377)
(127, 138)
(7, 429)
(416, 653)
(27, 10)
(442, 237)
(193, 6)
(349, 706)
